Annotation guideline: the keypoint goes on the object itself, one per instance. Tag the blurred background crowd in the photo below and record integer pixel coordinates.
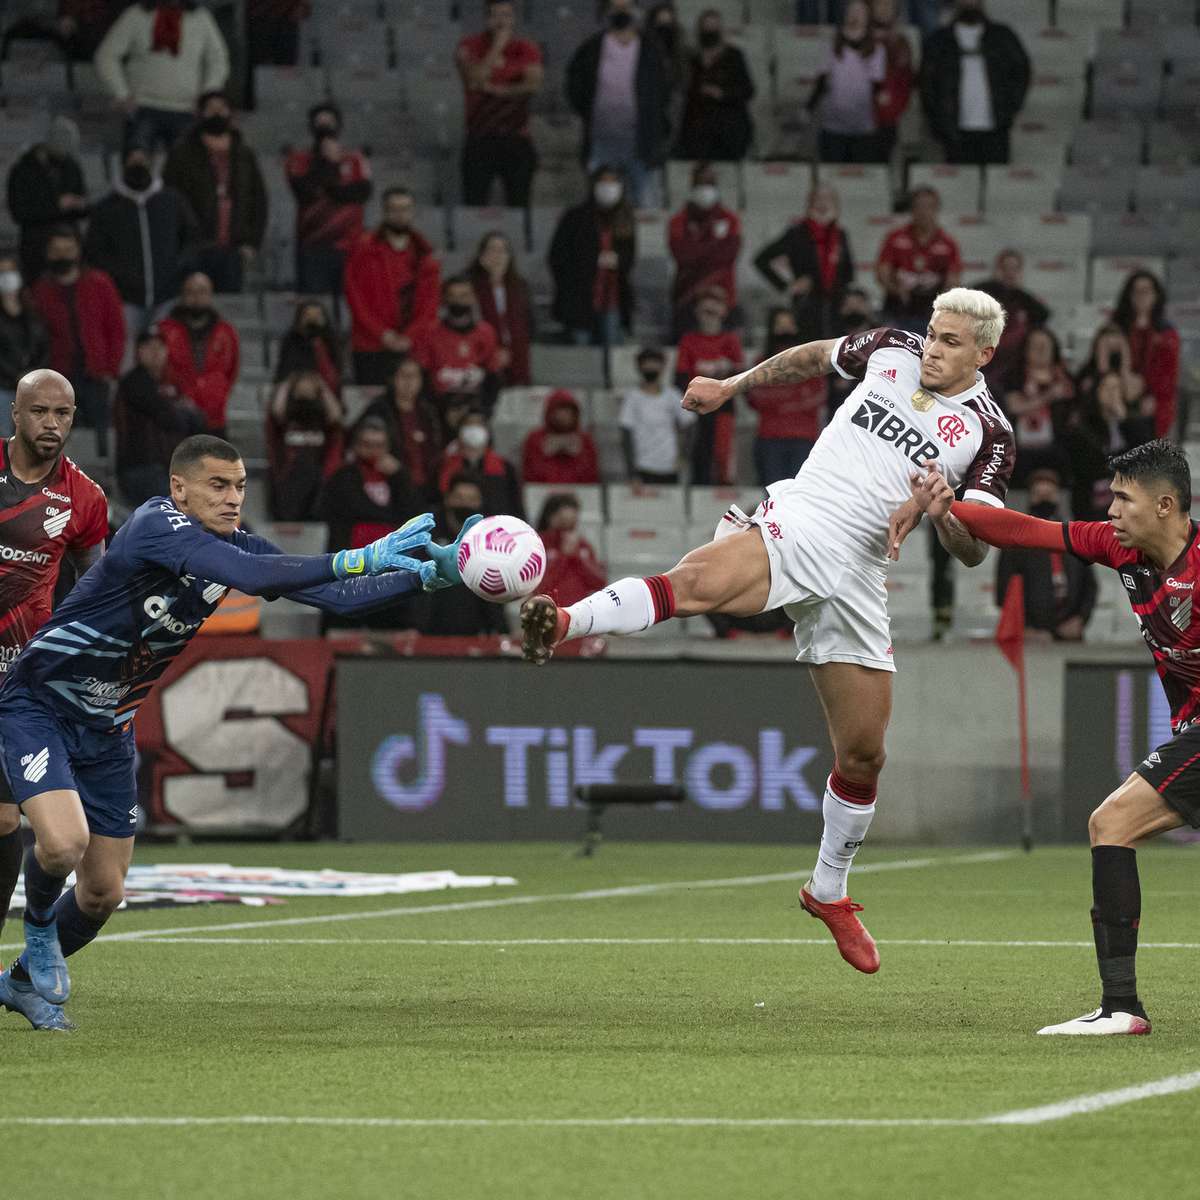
(466, 256)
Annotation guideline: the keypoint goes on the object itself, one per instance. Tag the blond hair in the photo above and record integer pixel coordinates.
(985, 312)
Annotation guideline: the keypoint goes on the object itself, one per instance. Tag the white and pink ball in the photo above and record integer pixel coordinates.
(502, 559)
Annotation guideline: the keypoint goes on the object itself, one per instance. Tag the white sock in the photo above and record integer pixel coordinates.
(627, 606)
(846, 825)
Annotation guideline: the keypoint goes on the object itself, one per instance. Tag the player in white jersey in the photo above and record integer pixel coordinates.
(817, 547)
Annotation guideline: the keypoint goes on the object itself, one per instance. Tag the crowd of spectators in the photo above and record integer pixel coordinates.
(122, 291)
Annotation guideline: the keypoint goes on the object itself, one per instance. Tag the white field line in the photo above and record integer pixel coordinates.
(613, 893)
(1062, 1109)
(650, 941)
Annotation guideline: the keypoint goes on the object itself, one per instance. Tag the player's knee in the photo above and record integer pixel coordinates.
(100, 898)
(1107, 824)
(862, 763)
(61, 853)
(694, 588)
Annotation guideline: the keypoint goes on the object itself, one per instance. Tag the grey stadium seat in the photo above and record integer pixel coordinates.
(1096, 189)
(1104, 142)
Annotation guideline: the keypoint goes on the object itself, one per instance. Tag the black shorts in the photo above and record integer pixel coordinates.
(1173, 771)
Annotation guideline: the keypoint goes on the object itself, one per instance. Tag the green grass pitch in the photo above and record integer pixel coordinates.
(663, 1002)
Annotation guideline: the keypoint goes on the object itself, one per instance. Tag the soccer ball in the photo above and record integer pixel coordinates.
(502, 559)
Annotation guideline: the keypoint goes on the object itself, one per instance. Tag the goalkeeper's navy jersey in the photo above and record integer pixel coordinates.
(127, 618)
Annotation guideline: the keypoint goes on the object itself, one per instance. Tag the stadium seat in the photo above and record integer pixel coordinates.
(356, 398)
(1181, 90)
(1037, 143)
(1010, 190)
(733, 12)
(800, 51)
(1146, 13)
(978, 238)
(294, 537)
(35, 78)
(1095, 189)
(1059, 280)
(959, 187)
(646, 505)
(1109, 273)
(1108, 142)
(469, 225)
(1138, 233)
(706, 505)
(861, 189)
(568, 366)
(589, 495)
(1065, 235)
(1127, 73)
(1174, 142)
(1183, 277)
(1167, 187)
(651, 236)
(653, 545)
(296, 87)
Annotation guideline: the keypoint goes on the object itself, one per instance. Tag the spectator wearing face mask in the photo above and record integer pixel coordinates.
(1060, 589)
(45, 189)
(810, 262)
(1038, 395)
(975, 74)
(662, 26)
(458, 612)
(24, 343)
(505, 303)
(619, 84)
(501, 74)
(218, 174)
(392, 282)
(1024, 311)
(304, 444)
(82, 312)
(1104, 423)
(471, 454)
(414, 431)
(705, 239)
(716, 115)
(789, 415)
(844, 97)
(311, 344)
(369, 496)
(332, 185)
(713, 352)
(1153, 343)
(560, 451)
(573, 569)
(591, 260)
(202, 351)
(854, 316)
(150, 418)
(156, 61)
(143, 234)
(459, 353)
(655, 427)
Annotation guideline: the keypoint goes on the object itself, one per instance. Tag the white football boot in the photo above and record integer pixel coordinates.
(1100, 1024)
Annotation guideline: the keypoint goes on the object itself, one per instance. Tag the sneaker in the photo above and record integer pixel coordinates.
(543, 626)
(854, 943)
(1100, 1024)
(44, 961)
(22, 998)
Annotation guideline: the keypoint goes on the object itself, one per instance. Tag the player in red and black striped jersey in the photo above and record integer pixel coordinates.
(1152, 542)
(48, 509)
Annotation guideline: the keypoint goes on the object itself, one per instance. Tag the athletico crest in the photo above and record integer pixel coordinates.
(56, 521)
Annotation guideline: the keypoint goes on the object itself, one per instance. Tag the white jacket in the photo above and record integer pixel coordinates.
(155, 79)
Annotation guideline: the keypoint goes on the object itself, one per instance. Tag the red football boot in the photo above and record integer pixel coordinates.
(543, 626)
(854, 943)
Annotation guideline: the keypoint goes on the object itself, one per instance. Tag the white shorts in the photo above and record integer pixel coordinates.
(837, 600)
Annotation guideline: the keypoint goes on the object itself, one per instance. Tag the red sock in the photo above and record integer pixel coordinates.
(662, 596)
(852, 793)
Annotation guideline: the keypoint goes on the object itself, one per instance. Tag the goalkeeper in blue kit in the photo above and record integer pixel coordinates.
(68, 702)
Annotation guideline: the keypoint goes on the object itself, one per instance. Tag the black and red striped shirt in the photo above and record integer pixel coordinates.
(39, 523)
(1164, 603)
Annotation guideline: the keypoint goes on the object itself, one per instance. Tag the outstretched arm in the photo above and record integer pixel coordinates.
(349, 597)
(794, 365)
(1007, 529)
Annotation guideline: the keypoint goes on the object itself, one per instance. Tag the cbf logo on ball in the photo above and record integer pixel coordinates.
(551, 761)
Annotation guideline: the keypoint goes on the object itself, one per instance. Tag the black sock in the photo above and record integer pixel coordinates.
(75, 928)
(1116, 914)
(12, 850)
(41, 890)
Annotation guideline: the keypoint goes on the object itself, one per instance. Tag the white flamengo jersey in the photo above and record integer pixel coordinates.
(858, 473)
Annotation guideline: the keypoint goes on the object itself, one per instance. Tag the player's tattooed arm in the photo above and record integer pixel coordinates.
(931, 494)
(958, 539)
(794, 365)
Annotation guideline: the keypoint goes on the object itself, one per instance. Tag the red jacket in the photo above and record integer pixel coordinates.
(1155, 357)
(390, 289)
(455, 360)
(705, 247)
(101, 323)
(538, 466)
(209, 384)
(570, 577)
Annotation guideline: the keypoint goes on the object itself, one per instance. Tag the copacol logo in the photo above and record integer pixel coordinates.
(409, 773)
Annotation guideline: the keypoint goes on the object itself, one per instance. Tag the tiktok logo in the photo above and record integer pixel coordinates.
(397, 753)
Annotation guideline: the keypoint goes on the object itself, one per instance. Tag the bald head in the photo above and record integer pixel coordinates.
(46, 384)
(43, 413)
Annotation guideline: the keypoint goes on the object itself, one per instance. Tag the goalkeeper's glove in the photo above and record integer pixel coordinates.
(442, 569)
(388, 553)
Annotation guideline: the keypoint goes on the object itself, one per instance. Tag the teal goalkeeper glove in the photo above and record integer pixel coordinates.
(388, 553)
(442, 569)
